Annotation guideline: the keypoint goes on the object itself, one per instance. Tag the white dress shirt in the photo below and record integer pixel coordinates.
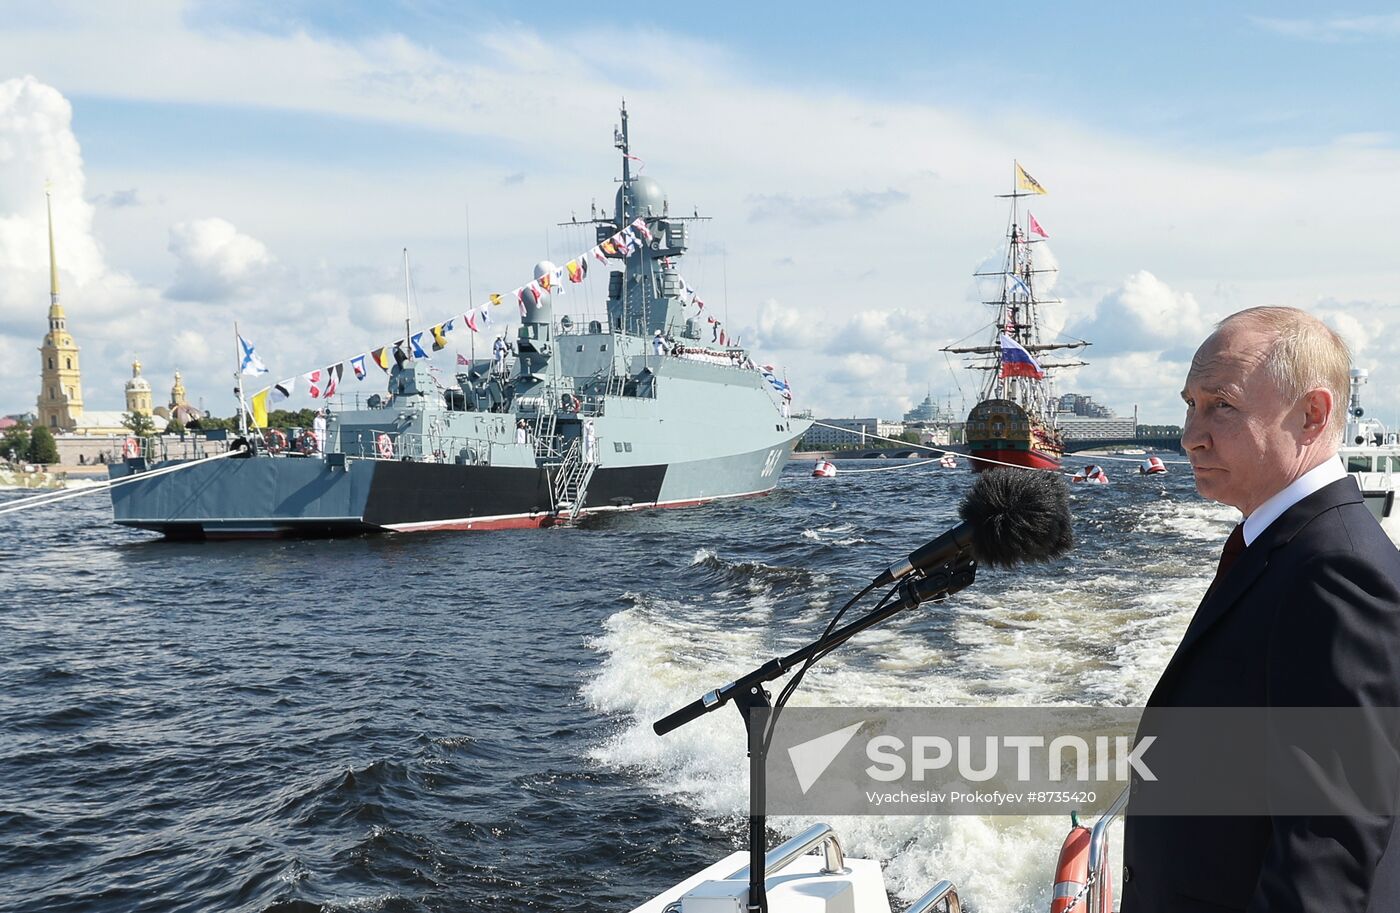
(1315, 479)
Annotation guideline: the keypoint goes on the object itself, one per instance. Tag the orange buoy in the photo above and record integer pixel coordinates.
(1072, 873)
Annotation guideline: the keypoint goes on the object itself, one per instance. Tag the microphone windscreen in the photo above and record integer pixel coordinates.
(1018, 515)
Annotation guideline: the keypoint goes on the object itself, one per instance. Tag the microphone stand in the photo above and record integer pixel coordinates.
(748, 695)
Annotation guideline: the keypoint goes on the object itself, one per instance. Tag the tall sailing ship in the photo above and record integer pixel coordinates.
(1013, 422)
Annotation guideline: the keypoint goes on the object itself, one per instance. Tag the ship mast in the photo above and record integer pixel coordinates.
(408, 307)
(625, 215)
(1017, 316)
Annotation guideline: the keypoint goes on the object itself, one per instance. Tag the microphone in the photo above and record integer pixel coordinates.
(1011, 516)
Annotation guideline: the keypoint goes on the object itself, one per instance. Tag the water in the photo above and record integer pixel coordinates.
(452, 721)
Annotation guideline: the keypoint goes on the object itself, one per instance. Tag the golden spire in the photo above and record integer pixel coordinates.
(55, 309)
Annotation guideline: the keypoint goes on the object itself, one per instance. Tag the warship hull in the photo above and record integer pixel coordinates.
(573, 418)
(265, 496)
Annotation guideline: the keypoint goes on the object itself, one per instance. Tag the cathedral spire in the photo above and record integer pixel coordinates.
(55, 309)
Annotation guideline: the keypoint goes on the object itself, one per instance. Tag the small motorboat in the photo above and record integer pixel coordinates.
(825, 469)
(1092, 475)
(948, 461)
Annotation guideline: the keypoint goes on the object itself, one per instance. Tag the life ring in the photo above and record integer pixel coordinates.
(1072, 873)
(276, 441)
(307, 443)
(131, 448)
(384, 446)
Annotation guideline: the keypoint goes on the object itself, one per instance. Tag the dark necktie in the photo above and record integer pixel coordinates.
(1234, 547)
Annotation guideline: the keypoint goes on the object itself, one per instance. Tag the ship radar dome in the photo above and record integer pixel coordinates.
(644, 198)
(541, 311)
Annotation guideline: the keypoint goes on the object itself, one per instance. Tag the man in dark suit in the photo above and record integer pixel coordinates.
(1304, 612)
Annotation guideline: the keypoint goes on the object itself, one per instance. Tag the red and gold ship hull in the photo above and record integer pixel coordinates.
(1001, 432)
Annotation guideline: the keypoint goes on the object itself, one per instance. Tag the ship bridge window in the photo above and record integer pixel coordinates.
(578, 348)
(1358, 464)
(617, 446)
(603, 347)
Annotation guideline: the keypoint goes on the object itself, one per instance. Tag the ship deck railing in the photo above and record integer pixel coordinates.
(420, 448)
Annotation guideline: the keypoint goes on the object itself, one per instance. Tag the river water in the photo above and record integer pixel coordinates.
(461, 721)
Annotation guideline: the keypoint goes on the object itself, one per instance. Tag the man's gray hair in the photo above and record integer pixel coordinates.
(1306, 354)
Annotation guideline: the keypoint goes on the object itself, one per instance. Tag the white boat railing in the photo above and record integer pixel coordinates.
(818, 836)
(1098, 852)
(416, 447)
(945, 893)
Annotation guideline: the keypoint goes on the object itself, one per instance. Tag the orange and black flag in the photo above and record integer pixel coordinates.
(380, 356)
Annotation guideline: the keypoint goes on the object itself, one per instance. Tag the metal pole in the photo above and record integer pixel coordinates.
(238, 378)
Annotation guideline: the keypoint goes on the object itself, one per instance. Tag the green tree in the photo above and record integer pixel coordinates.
(209, 423)
(138, 424)
(42, 448)
(283, 418)
(909, 437)
(175, 427)
(16, 441)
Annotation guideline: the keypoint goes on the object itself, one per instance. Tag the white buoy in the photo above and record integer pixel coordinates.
(1092, 475)
(1153, 466)
(825, 469)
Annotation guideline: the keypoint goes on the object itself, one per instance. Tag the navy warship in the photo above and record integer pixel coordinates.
(591, 417)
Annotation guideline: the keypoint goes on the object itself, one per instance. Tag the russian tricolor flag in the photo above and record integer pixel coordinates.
(1016, 361)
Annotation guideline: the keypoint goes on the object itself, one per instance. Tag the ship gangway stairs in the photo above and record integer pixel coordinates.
(570, 488)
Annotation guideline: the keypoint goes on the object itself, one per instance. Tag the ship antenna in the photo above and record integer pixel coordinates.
(407, 307)
(620, 141)
(624, 215)
(470, 295)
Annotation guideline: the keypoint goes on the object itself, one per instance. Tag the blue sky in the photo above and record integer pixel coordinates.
(270, 160)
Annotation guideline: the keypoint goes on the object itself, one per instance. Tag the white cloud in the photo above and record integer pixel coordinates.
(840, 207)
(1224, 229)
(1144, 314)
(216, 260)
(784, 328)
(1336, 28)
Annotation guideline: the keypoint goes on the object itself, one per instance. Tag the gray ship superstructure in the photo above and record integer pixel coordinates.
(591, 417)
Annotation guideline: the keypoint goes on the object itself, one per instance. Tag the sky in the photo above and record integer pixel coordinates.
(268, 163)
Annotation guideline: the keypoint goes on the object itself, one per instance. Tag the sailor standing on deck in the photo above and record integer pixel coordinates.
(498, 353)
(318, 430)
(521, 433)
(658, 344)
(590, 442)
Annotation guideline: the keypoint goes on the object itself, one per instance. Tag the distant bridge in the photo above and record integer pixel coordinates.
(1172, 443)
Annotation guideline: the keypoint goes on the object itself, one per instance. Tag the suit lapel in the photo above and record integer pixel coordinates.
(1255, 559)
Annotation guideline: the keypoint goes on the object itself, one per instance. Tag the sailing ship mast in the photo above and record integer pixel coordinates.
(1017, 316)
